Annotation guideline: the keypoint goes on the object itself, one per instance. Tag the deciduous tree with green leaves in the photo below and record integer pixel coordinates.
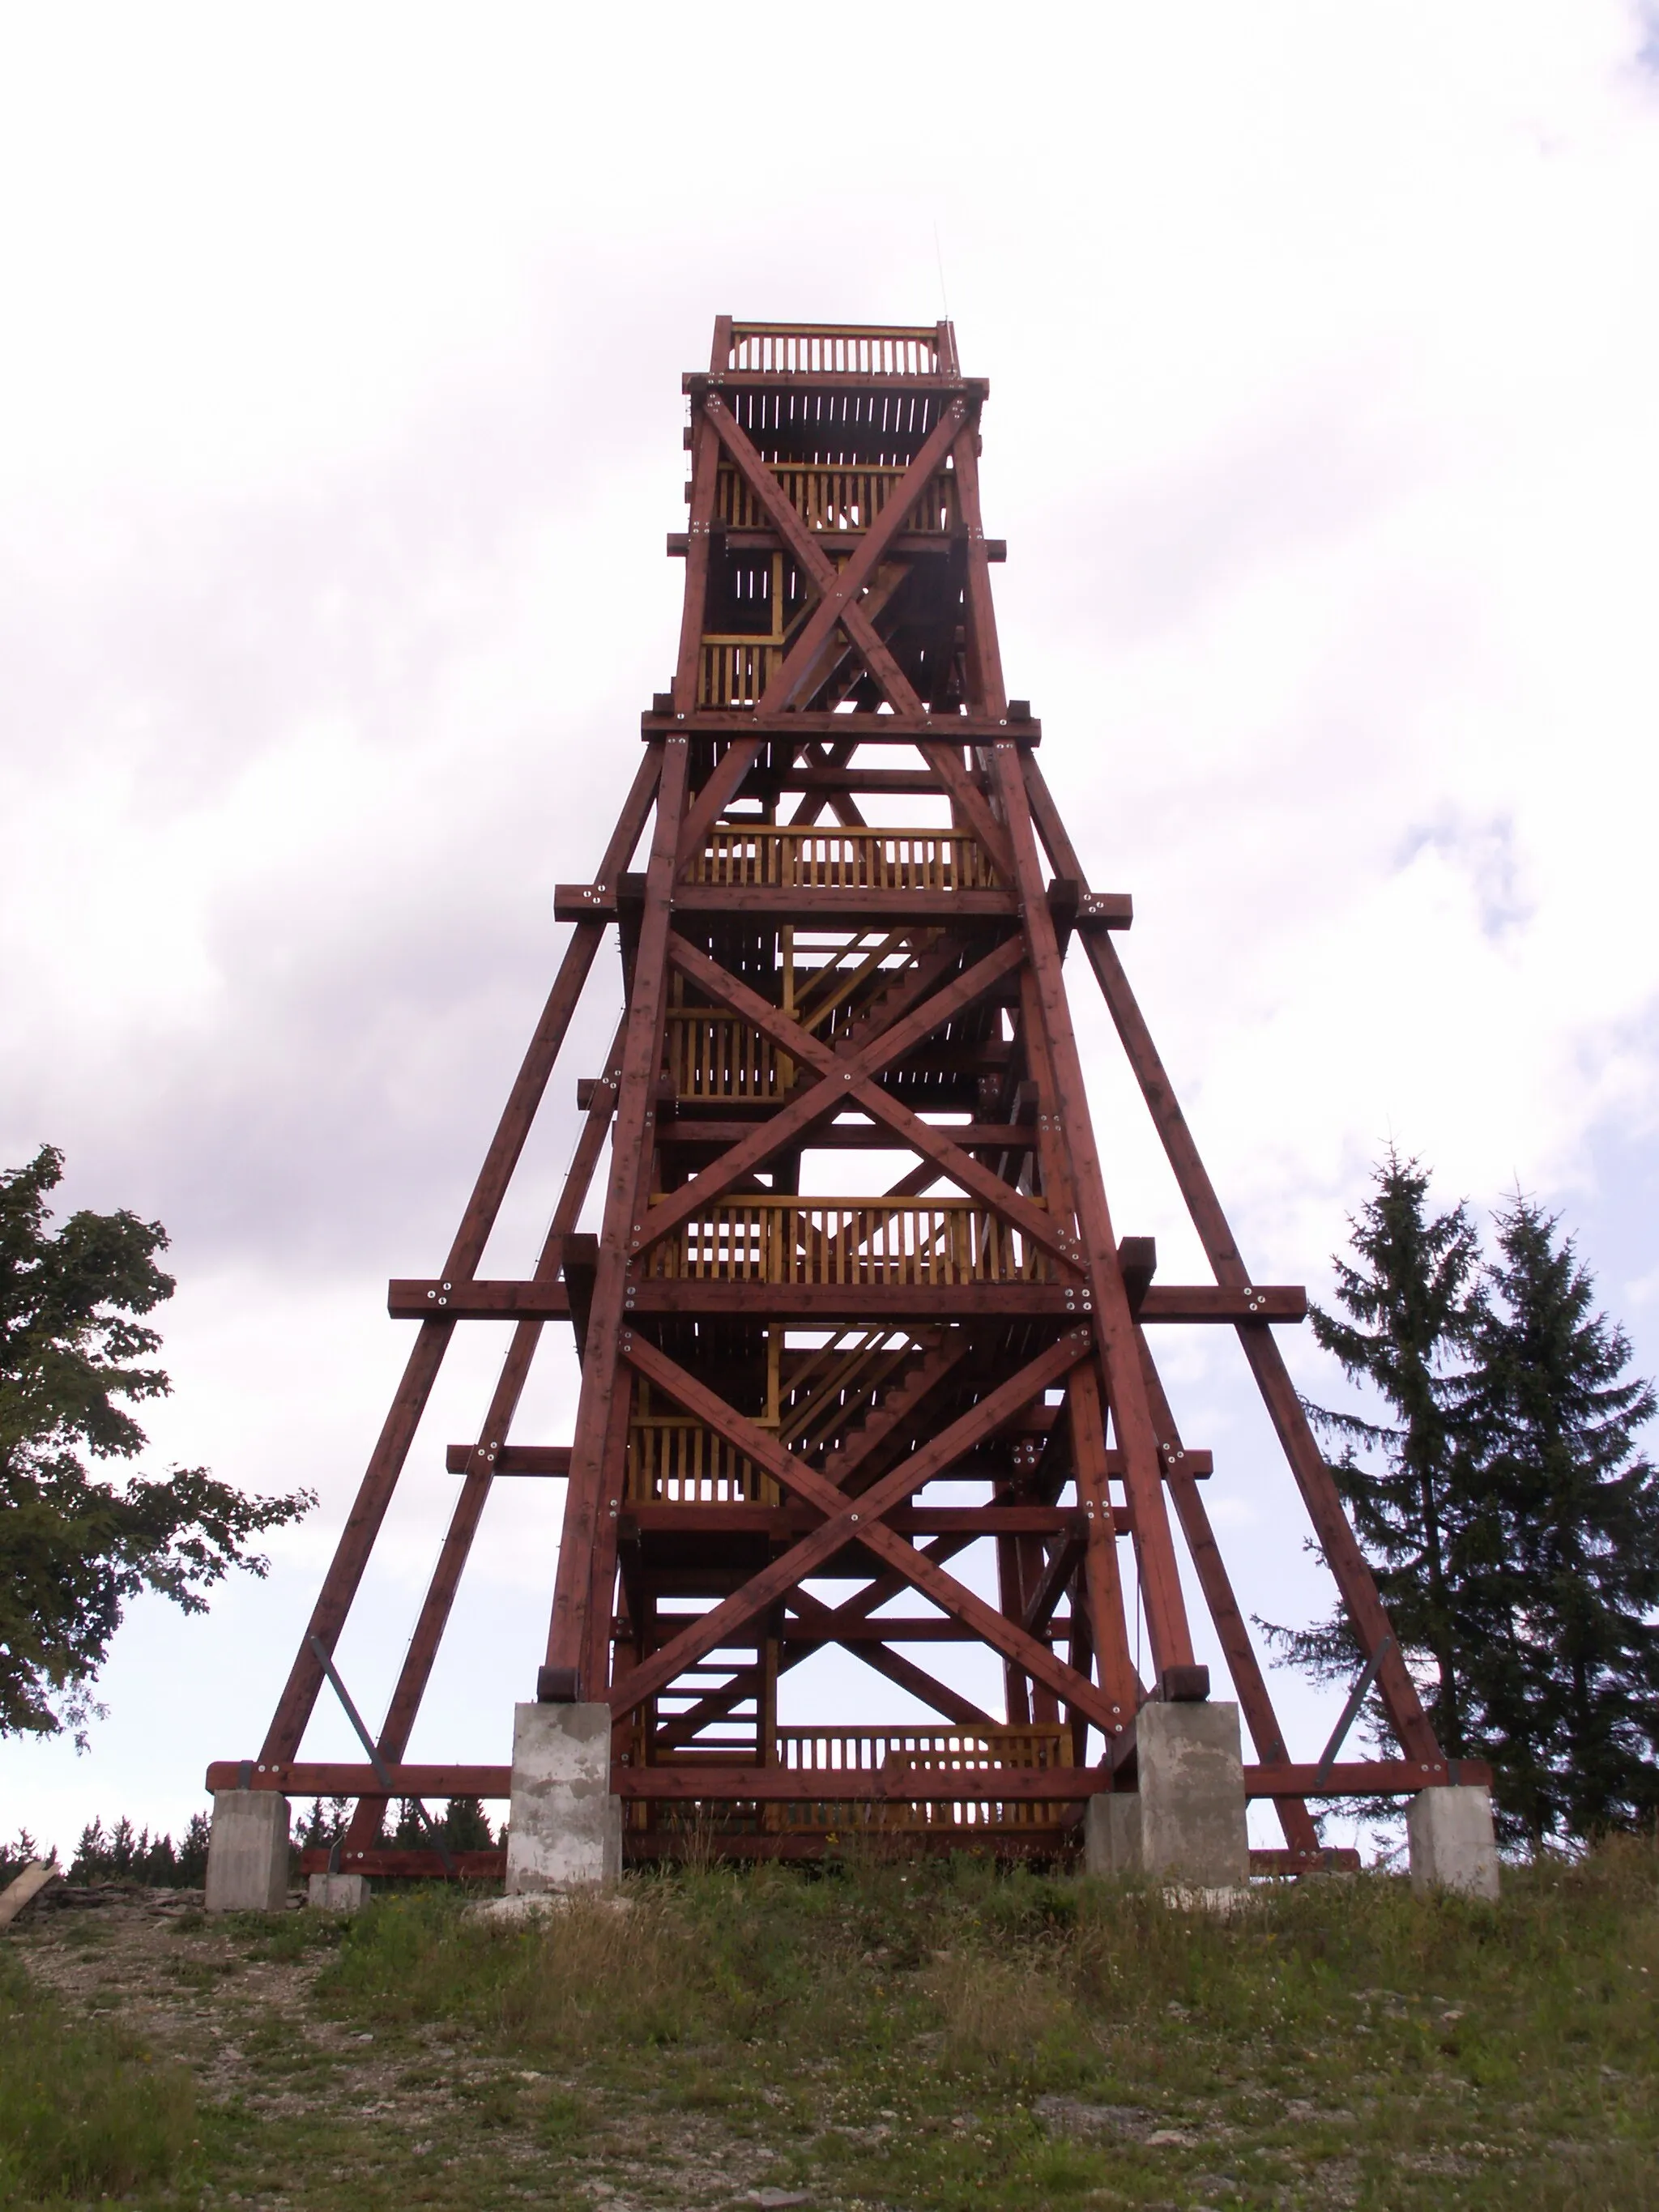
(76, 1548)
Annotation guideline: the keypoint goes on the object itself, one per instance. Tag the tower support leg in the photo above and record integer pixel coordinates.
(1184, 1821)
(248, 1852)
(565, 1827)
(1453, 1843)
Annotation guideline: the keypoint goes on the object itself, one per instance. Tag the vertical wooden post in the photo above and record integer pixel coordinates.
(630, 1157)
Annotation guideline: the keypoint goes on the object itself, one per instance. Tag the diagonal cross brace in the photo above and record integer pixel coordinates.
(858, 1521)
(819, 568)
(815, 1103)
(858, 1087)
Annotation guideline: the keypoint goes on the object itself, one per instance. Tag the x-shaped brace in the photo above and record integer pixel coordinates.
(860, 1520)
(839, 589)
(839, 601)
(849, 1080)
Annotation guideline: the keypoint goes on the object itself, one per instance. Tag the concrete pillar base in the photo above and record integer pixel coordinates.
(248, 1852)
(564, 1829)
(1453, 1843)
(1184, 1821)
(337, 1893)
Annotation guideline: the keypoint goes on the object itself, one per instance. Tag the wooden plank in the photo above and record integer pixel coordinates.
(869, 729)
(23, 1888)
(705, 482)
(1255, 1702)
(1059, 1570)
(1108, 1628)
(343, 1778)
(545, 1460)
(769, 379)
(986, 691)
(412, 1298)
(630, 1154)
(1160, 1581)
(335, 1777)
(840, 1785)
(689, 1128)
(909, 544)
(1032, 1840)
(482, 1461)
(835, 906)
(698, 1518)
(890, 1628)
(394, 1863)
(1361, 1778)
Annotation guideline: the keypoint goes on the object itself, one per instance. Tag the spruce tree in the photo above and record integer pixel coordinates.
(1412, 1301)
(1566, 1672)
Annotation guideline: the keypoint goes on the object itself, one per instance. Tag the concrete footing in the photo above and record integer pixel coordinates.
(337, 1893)
(565, 1827)
(1453, 1844)
(1184, 1821)
(248, 1852)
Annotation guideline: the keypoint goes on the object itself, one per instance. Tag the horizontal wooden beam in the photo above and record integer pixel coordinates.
(1363, 1778)
(697, 380)
(423, 1298)
(1038, 1839)
(908, 545)
(893, 1628)
(898, 1784)
(693, 1520)
(513, 1459)
(677, 1127)
(851, 906)
(554, 1460)
(335, 1777)
(396, 1862)
(796, 726)
(1377, 1777)
(1330, 1860)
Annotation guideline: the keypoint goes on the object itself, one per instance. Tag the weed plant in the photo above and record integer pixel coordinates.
(85, 2112)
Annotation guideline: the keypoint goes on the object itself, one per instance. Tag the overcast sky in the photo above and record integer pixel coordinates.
(339, 432)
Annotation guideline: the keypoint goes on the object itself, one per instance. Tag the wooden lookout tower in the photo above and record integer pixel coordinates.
(815, 1411)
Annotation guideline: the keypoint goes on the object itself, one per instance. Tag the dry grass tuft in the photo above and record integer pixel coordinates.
(997, 2010)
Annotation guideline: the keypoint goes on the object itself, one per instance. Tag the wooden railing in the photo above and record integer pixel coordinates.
(836, 350)
(862, 859)
(897, 1751)
(835, 499)
(782, 1238)
(714, 1055)
(736, 670)
(675, 1461)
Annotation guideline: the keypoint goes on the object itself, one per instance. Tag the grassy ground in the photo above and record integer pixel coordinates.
(882, 2035)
